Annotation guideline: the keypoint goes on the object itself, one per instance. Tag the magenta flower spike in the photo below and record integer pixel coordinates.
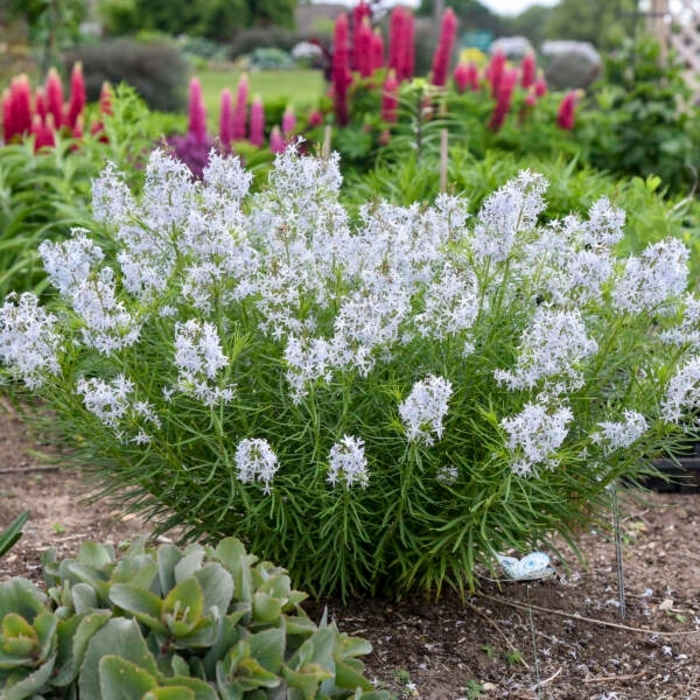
(567, 111)
(402, 43)
(461, 75)
(528, 70)
(315, 118)
(240, 111)
(390, 101)
(540, 87)
(364, 38)
(377, 50)
(289, 121)
(494, 71)
(444, 48)
(197, 127)
(20, 105)
(40, 102)
(360, 13)
(54, 97)
(341, 75)
(78, 94)
(257, 122)
(277, 143)
(226, 118)
(506, 86)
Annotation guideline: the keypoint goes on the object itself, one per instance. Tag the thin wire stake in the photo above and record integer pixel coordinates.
(534, 646)
(618, 548)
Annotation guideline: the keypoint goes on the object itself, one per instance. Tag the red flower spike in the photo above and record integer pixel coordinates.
(364, 38)
(462, 76)
(377, 50)
(257, 122)
(506, 86)
(360, 13)
(78, 94)
(390, 101)
(540, 87)
(445, 46)
(240, 111)
(54, 97)
(567, 111)
(494, 71)
(528, 70)
(21, 105)
(226, 117)
(197, 126)
(408, 48)
(40, 106)
(44, 133)
(315, 118)
(341, 75)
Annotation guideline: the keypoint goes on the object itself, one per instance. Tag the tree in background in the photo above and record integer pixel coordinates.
(601, 22)
(218, 20)
(471, 13)
(52, 25)
(530, 23)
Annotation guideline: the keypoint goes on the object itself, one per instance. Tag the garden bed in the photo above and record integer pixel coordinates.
(565, 633)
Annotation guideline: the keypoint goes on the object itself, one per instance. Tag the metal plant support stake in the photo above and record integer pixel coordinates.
(618, 548)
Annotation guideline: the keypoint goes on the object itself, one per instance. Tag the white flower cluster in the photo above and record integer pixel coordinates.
(199, 358)
(510, 211)
(535, 434)
(683, 393)
(29, 340)
(621, 434)
(658, 275)
(327, 301)
(347, 462)
(71, 267)
(553, 348)
(422, 412)
(112, 402)
(255, 460)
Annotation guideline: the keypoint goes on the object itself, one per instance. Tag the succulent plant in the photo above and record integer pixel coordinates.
(12, 533)
(200, 623)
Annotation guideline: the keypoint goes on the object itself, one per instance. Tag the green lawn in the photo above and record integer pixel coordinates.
(302, 88)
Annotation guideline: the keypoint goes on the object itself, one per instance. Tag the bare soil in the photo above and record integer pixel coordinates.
(561, 638)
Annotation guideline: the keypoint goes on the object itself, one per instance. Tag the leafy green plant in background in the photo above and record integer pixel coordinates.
(380, 405)
(193, 624)
(639, 120)
(12, 533)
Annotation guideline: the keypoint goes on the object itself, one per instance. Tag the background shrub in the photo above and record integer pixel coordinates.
(245, 42)
(157, 71)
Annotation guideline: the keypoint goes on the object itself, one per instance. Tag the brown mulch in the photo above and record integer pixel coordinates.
(562, 638)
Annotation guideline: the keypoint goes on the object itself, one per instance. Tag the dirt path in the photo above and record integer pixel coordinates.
(560, 639)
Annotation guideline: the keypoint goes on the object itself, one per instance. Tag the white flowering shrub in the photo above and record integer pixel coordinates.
(377, 401)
